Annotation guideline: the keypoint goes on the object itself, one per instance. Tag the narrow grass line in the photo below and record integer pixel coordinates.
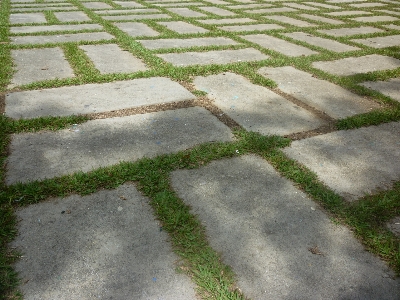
(81, 64)
(369, 119)
(50, 17)
(6, 69)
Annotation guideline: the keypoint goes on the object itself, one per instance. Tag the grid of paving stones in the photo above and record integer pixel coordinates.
(272, 67)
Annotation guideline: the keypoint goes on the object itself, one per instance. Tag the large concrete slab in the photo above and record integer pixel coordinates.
(249, 6)
(356, 65)
(183, 27)
(39, 64)
(346, 13)
(126, 11)
(325, 96)
(256, 27)
(128, 4)
(103, 247)
(299, 6)
(136, 17)
(254, 107)
(213, 57)
(328, 6)
(370, 4)
(227, 21)
(328, 44)
(389, 12)
(51, 28)
(135, 29)
(271, 233)
(321, 19)
(61, 38)
(187, 43)
(278, 45)
(177, 4)
(291, 21)
(270, 10)
(27, 18)
(380, 42)
(353, 162)
(105, 142)
(390, 88)
(374, 19)
(186, 12)
(217, 11)
(73, 16)
(112, 59)
(96, 5)
(351, 31)
(90, 98)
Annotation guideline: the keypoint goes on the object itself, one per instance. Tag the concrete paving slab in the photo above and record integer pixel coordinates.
(389, 12)
(74, 16)
(218, 2)
(136, 17)
(128, 4)
(217, 11)
(354, 162)
(46, 8)
(177, 4)
(299, 6)
(27, 18)
(392, 26)
(346, 13)
(344, 1)
(390, 88)
(61, 38)
(90, 98)
(103, 247)
(272, 240)
(112, 59)
(328, 6)
(351, 31)
(126, 11)
(249, 6)
(254, 107)
(321, 42)
(270, 10)
(183, 27)
(369, 4)
(374, 19)
(106, 142)
(259, 27)
(44, 64)
(187, 43)
(135, 29)
(291, 21)
(227, 21)
(321, 19)
(278, 45)
(50, 28)
(96, 5)
(213, 57)
(325, 96)
(357, 65)
(186, 12)
(394, 226)
(380, 42)
(35, 4)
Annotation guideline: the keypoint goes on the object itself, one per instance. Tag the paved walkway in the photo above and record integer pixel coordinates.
(108, 245)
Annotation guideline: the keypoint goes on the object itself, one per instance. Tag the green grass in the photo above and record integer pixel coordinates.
(215, 280)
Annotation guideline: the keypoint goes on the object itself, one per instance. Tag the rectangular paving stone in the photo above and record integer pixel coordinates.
(75, 16)
(135, 29)
(249, 6)
(47, 8)
(187, 43)
(299, 6)
(39, 64)
(217, 11)
(136, 17)
(218, 2)
(112, 59)
(213, 57)
(105, 142)
(321, 42)
(34, 4)
(321, 19)
(94, 98)
(390, 88)
(227, 21)
(126, 11)
(374, 19)
(328, 6)
(128, 4)
(183, 27)
(278, 45)
(259, 27)
(389, 12)
(50, 28)
(392, 26)
(353, 162)
(351, 31)
(369, 4)
(348, 13)
(186, 12)
(357, 65)
(380, 42)
(27, 18)
(323, 95)
(61, 38)
(96, 5)
(291, 21)
(104, 247)
(254, 107)
(265, 229)
(188, 4)
(270, 10)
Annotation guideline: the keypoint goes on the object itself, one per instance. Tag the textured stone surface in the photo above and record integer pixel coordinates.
(353, 162)
(186, 12)
(136, 29)
(376, 19)
(186, 43)
(96, 5)
(278, 45)
(299, 6)
(380, 42)
(291, 21)
(73, 16)
(183, 27)
(92, 98)
(50, 28)
(267, 238)
(323, 95)
(127, 11)
(136, 17)
(271, 10)
(61, 38)
(217, 11)
(128, 3)
(394, 226)
(227, 21)
(349, 13)
(106, 142)
(105, 247)
(389, 88)
(27, 18)
(321, 19)
(351, 31)
(259, 27)
(356, 65)
(254, 107)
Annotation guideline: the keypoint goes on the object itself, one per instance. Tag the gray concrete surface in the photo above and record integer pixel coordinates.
(186, 12)
(27, 18)
(260, 27)
(183, 27)
(321, 19)
(101, 247)
(265, 229)
(50, 28)
(91, 98)
(351, 31)
(74, 16)
(61, 38)
(376, 19)
(136, 17)
(291, 21)
(136, 29)
(105, 142)
(255, 107)
(390, 88)
(226, 21)
(380, 42)
(354, 162)
(217, 11)
(187, 43)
